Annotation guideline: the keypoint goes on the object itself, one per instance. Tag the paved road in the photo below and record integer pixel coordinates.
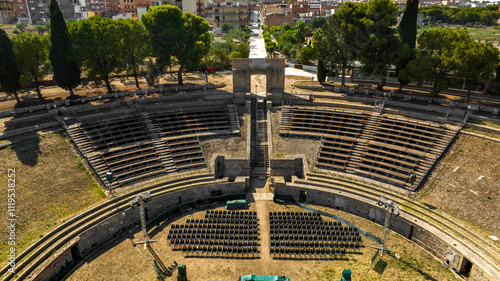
(300, 72)
(257, 44)
(258, 50)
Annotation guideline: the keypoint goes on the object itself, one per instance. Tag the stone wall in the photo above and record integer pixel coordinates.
(58, 266)
(231, 168)
(286, 168)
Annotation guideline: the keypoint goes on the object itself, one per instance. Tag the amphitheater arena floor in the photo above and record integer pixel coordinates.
(120, 260)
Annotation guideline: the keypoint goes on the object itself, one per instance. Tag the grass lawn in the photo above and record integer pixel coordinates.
(51, 187)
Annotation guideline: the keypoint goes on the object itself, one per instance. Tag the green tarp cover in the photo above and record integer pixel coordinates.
(263, 278)
(236, 204)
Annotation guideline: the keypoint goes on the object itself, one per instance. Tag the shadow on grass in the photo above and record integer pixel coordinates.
(431, 207)
(380, 267)
(404, 264)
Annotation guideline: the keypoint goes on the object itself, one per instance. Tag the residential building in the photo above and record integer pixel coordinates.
(234, 13)
(278, 19)
(33, 11)
(7, 12)
(277, 14)
(104, 8)
(130, 6)
(196, 7)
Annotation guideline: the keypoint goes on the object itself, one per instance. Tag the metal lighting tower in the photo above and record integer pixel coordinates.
(139, 200)
(390, 208)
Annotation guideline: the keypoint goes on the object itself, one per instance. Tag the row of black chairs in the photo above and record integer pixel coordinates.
(306, 252)
(213, 231)
(329, 245)
(214, 216)
(295, 219)
(231, 221)
(232, 213)
(355, 238)
(305, 222)
(307, 214)
(217, 226)
(291, 230)
(227, 221)
(200, 223)
(219, 250)
(178, 243)
(248, 237)
(237, 215)
(309, 226)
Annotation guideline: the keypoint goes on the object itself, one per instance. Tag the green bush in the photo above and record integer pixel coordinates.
(226, 27)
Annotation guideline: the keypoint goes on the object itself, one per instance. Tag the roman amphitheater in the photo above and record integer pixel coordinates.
(254, 173)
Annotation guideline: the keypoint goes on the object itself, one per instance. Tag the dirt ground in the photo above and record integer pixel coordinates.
(465, 183)
(231, 147)
(51, 185)
(289, 147)
(122, 261)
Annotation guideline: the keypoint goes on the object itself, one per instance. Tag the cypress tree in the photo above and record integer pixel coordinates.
(66, 72)
(408, 25)
(9, 73)
(321, 73)
(408, 34)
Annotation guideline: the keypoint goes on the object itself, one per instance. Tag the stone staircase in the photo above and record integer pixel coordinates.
(163, 151)
(233, 118)
(259, 141)
(358, 150)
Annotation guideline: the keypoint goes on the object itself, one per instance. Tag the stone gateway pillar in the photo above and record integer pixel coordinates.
(274, 69)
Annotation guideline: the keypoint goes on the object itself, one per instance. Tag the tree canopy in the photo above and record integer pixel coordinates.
(96, 44)
(376, 42)
(9, 74)
(177, 35)
(134, 45)
(436, 48)
(318, 22)
(31, 51)
(476, 62)
(485, 15)
(290, 39)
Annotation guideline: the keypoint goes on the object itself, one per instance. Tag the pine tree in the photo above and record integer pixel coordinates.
(66, 72)
(9, 73)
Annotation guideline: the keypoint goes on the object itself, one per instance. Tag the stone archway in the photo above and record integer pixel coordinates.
(274, 69)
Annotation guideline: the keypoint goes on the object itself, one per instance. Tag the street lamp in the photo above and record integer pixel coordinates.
(256, 89)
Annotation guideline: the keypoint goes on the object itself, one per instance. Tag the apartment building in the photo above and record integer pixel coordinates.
(131, 7)
(233, 13)
(33, 11)
(104, 8)
(7, 12)
(278, 14)
(196, 7)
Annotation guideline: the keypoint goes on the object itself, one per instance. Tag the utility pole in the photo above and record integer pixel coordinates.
(390, 208)
(139, 200)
